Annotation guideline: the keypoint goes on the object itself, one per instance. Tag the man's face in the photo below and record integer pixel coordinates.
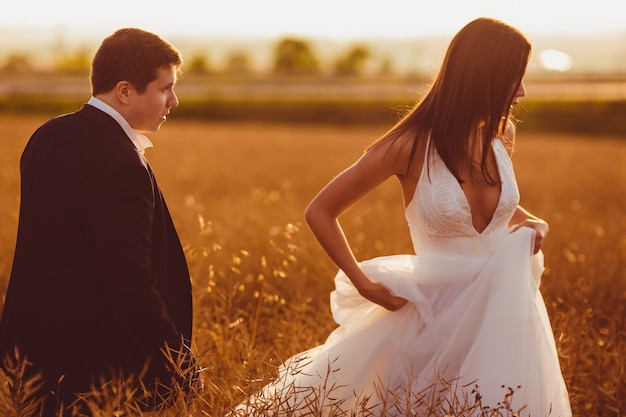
(148, 110)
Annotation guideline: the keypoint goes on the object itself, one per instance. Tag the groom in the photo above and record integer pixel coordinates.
(99, 285)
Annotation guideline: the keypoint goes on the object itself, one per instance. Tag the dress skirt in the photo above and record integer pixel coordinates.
(474, 336)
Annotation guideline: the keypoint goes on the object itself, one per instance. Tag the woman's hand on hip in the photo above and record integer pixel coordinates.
(380, 295)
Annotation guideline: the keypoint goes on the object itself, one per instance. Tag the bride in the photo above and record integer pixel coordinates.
(460, 327)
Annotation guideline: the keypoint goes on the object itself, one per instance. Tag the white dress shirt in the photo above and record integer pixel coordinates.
(140, 140)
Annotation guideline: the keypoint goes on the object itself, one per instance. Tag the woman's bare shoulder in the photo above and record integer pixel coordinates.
(398, 150)
(508, 139)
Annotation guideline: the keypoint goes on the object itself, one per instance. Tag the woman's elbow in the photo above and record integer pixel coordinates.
(317, 213)
(310, 213)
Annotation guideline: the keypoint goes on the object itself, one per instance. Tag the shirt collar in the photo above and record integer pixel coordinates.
(140, 140)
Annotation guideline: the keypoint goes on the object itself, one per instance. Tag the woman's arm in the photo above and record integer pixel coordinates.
(372, 169)
(522, 218)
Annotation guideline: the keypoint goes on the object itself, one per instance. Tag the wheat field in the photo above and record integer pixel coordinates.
(261, 282)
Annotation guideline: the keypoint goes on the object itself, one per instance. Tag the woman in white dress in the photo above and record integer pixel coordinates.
(459, 328)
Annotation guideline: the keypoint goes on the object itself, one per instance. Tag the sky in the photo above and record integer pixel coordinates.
(337, 19)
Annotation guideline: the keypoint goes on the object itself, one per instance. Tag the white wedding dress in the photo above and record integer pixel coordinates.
(474, 334)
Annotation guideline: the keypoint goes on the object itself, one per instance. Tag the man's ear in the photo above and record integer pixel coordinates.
(123, 91)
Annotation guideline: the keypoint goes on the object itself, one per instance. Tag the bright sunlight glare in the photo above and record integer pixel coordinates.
(554, 60)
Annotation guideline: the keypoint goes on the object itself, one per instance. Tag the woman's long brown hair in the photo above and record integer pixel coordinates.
(468, 104)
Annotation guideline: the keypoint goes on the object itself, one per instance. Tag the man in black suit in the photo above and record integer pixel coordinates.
(99, 284)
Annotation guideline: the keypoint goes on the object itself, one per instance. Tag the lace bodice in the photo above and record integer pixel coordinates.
(439, 215)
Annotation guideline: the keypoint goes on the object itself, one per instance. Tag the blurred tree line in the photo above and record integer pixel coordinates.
(291, 57)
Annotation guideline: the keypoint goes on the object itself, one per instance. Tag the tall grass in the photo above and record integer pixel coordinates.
(261, 282)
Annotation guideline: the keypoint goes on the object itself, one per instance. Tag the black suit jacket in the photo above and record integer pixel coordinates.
(99, 279)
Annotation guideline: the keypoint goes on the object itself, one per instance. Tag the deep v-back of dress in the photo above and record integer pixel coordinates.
(482, 197)
(439, 215)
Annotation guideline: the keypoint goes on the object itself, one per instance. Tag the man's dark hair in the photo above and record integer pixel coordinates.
(132, 55)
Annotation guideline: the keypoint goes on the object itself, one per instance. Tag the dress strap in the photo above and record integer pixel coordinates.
(427, 160)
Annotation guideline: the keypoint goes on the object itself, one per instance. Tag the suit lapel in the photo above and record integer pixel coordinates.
(104, 120)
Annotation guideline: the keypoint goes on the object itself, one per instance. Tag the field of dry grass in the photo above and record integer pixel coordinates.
(261, 282)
